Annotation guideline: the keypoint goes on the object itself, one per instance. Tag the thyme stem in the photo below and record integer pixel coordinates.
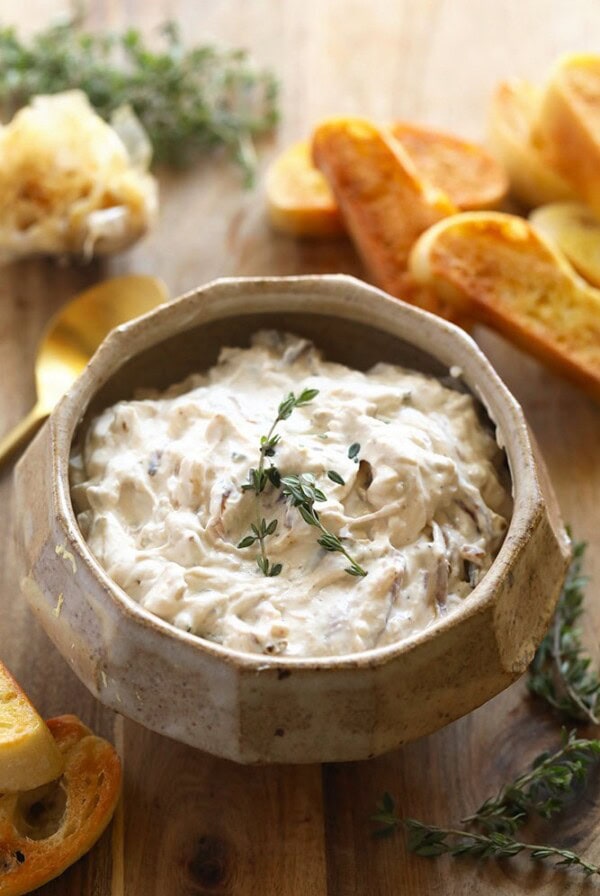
(560, 673)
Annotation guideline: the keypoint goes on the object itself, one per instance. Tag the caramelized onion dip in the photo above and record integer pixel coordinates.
(157, 483)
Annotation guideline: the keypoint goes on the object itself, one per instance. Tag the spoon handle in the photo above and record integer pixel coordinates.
(22, 433)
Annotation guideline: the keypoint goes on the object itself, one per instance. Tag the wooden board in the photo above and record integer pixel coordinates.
(190, 824)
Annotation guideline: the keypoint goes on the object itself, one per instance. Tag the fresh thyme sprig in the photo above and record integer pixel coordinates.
(428, 840)
(300, 489)
(543, 790)
(560, 673)
(189, 100)
(258, 478)
(431, 841)
(302, 493)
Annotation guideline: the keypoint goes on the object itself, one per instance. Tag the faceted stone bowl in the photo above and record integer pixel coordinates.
(252, 708)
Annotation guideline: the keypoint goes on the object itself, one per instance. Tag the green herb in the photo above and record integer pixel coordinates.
(560, 673)
(428, 840)
(543, 790)
(189, 100)
(335, 477)
(300, 489)
(303, 493)
(353, 451)
(258, 478)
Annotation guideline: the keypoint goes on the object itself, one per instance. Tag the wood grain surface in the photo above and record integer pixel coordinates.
(190, 824)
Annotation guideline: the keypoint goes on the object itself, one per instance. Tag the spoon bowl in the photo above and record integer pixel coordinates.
(72, 336)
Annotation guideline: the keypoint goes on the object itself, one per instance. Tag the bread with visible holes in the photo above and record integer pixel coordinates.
(45, 830)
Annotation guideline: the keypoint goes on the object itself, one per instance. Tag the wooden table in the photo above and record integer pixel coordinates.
(191, 824)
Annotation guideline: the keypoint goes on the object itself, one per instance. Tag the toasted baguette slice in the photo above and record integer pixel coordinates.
(45, 830)
(575, 230)
(28, 754)
(384, 203)
(470, 177)
(567, 125)
(300, 201)
(502, 272)
(533, 181)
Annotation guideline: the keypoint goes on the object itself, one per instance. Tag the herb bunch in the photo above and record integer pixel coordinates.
(189, 100)
(299, 488)
(559, 672)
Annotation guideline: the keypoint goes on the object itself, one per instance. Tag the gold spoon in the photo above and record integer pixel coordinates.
(71, 338)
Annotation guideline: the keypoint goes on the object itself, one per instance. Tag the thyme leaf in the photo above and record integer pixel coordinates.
(353, 451)
(335, 477)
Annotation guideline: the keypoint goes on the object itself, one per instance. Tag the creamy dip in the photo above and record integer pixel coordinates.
(158, 483)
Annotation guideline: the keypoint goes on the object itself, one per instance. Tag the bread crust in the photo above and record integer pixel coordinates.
(470, 177)
(43, 832)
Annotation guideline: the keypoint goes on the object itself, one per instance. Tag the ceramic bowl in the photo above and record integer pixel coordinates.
(254, 708)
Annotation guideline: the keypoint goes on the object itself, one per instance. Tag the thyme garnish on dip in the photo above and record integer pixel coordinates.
(302, 492)
(299, 488)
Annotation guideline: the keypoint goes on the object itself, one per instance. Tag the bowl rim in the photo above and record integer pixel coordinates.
(488, 388)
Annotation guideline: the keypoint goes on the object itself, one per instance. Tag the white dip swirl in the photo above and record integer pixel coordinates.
(157, 484)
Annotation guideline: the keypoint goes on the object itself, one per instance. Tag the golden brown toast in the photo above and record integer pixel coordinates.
(28, 754)
(501, 271)
(45, 830)
(533, 180)
(300, 201)
(470, 177)
(384, 203)
(567, 124)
